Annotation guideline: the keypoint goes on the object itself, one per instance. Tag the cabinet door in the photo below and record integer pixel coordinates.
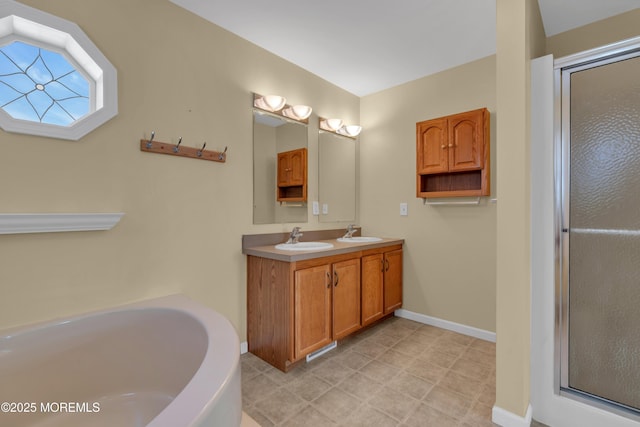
(432, 146)
(467, 141)
(392, 280)
(372, 288)
(346, 297)
(298, 167)
(284, 169)
(312, 309)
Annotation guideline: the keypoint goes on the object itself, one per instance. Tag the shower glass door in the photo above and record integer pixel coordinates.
(600, 233)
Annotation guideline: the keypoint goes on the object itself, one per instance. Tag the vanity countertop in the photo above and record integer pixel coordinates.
(269, 251)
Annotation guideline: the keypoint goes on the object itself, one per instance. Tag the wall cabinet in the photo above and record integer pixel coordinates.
(292, 176)
(295, 308)
(452, 155)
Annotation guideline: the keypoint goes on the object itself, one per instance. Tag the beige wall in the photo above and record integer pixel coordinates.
(180, 76)
(519, 35)
(265, 164)
(449, 265)
(607, 31)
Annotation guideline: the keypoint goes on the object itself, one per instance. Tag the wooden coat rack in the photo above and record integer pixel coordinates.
(151, 146)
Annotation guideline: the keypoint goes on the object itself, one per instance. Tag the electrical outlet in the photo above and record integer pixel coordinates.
(315, 207)
(404, 209)
(325, 209)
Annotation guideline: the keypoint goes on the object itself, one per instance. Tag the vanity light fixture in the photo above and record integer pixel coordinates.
(332, 125)
(337, 126)
(350, 130)
(277, 106)
(271, 103)
(297, 112)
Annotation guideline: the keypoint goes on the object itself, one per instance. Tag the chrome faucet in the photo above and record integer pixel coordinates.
(350, 231)
(295, 235)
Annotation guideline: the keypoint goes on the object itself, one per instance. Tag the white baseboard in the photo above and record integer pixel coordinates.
(244, 347)
(446, 324)
(504, 418)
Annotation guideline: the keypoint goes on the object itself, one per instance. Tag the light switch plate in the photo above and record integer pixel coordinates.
(325, 209)
(315, 207)
(404, 209)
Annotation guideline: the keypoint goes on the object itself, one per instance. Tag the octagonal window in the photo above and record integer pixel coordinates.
(41, 86)
(53, 80)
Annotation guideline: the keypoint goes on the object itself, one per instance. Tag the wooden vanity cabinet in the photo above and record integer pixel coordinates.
(295, 308)
(312, 309)
(326, 304)
(346, 298)
(381, 285)
(372, 288)
(292, 176)
(392, 280)
(452, 155)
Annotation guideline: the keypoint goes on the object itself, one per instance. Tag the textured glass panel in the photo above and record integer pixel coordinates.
(604, 326)
(604, 242)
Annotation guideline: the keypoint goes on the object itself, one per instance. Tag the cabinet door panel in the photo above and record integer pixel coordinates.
(346, 298)
(312, 309)
(392, 280)
(298, 167)
(283, 169)
(467, 139)
(433, 146)
(372, 288)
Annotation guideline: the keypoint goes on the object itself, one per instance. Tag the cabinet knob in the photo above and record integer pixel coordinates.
(443, 146)
(450, 145)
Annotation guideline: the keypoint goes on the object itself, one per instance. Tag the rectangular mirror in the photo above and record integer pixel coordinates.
(337, 177)
(273, 135)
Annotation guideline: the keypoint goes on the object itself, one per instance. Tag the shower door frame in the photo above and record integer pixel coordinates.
(563, 68)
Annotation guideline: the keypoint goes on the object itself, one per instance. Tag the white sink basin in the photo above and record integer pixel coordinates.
(359, 239)
(304, 246)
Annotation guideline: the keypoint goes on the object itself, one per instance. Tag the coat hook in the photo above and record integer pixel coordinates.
(153, 133)
(221, 156)
(199, 153)
(176, 148)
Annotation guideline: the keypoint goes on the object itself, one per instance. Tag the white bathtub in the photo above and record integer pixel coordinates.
(166, 362)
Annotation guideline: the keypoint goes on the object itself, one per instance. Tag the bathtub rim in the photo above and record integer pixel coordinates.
(198, 397)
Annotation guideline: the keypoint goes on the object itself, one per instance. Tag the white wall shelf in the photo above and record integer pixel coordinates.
(19, 223)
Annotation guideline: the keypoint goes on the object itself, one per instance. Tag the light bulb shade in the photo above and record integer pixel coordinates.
(351, 130)
(298, 112)
(331, 124)
(271, 102)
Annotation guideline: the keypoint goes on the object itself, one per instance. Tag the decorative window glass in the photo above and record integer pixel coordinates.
(53, 80)
(41, 86)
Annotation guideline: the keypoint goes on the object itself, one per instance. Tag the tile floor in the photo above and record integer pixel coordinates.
(398, 373)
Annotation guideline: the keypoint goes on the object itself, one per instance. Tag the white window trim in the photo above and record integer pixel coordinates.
(20, 22)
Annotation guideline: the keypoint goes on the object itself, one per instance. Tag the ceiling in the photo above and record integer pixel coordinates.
(365, 46)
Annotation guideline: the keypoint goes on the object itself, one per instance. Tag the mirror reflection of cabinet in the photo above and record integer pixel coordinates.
(273, 135)
(292, 175)
(337, 177)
